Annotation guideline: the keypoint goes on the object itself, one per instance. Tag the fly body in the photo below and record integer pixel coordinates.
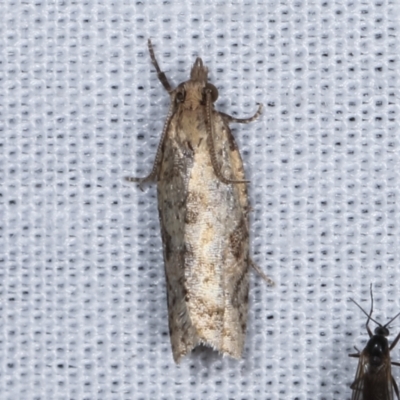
(374, 380)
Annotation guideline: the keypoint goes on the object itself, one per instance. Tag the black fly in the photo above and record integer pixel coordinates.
(374, 380)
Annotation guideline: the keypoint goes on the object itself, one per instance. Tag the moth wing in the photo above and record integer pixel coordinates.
(217, 256)
(235, 273)
(204, 226)
(172, 190)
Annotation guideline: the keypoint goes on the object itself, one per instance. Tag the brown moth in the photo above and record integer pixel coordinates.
(374, 380)
(203, 209)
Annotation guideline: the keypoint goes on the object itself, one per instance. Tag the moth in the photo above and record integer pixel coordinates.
(203, 211)
(374, 380)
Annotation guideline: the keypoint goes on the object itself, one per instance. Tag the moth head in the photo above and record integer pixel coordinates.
(194, 92)
(199, 74)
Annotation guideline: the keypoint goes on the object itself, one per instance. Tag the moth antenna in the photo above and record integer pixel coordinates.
(154, 171)
(210, 135)
(161, 75)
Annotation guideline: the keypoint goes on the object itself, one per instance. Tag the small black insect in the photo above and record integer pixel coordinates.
(374, 380)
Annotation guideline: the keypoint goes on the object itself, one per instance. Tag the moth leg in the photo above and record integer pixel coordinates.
(266, 278)
(140, 181)
(396, 389)
(244, 120)
(161, 76)
(154, 171)
(210, 141)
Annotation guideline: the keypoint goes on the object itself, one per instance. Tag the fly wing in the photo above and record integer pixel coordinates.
(372, 383)
(358, 385)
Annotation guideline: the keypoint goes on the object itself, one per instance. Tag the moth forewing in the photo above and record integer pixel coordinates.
(203, 208)
(374, 380)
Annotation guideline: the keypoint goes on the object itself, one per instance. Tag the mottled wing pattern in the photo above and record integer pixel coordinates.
(204, 225)
(204, 219)
(372, 386)
(217, 262)
(236, 269)
(172, 195)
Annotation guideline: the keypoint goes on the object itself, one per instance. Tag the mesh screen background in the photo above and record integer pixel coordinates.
(83, 301)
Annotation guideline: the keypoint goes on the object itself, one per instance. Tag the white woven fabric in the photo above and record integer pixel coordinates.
(83, 311)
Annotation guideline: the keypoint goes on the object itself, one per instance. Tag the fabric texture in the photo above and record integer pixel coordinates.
(83, 312)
